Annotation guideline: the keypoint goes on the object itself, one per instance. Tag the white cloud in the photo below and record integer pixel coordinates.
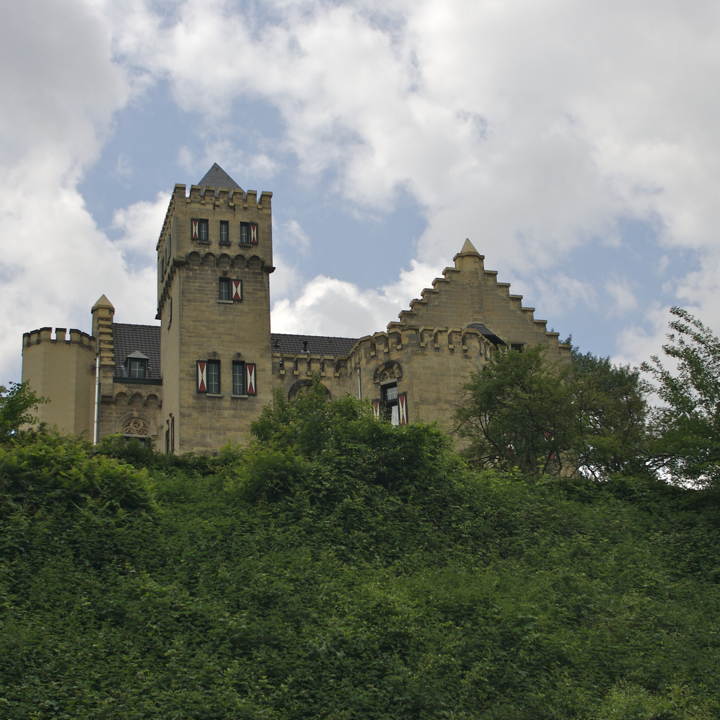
(141, 224)
(623, 298)
(533, 127)
(326, 306)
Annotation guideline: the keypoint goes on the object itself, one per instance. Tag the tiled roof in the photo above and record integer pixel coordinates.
(142, 338)
(316, 344)
(216, 178)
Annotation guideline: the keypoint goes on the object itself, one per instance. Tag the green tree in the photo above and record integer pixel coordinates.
(686, 428)
(515, 413)
(16, 404)
(610, 411)
(587, 416)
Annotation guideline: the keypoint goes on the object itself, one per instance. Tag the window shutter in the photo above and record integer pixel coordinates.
(236, 289)
(194, 229)
(376, 408)
(201, 376)
(402, 404)
(250, 382)
(253, 234)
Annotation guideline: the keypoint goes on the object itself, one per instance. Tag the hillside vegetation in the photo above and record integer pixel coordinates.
(343, 568)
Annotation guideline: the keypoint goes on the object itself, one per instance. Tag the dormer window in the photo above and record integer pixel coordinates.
(136, 365)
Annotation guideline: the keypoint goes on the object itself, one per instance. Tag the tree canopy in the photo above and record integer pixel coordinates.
(16, 405)
(686, 426)
(523, 412)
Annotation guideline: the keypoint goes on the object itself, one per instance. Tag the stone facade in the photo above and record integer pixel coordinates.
(197, 380)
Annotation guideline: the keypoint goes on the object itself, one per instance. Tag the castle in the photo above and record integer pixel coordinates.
(199, 378)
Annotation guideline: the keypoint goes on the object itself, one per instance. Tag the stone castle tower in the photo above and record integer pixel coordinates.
(198, 380)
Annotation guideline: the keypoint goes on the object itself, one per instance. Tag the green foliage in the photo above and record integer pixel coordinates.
(42, 471)
(686, 428)
(524, 412)
(16, 404)
(610, 410)
(343, 568)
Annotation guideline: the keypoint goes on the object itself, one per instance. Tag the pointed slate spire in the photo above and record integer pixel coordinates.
(216, 177)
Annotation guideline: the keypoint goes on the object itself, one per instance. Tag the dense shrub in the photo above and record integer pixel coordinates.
(343, 568)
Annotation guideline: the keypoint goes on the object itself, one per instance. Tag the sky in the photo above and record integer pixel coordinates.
(575, 142)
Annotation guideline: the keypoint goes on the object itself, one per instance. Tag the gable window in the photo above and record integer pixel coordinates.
(137, 369)
(238, 378)
(136, 365)
(394, 405)
(199, 230)
(224, 232)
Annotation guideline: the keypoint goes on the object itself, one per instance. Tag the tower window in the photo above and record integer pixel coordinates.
(199, 230)
(244, 233)
(224, 232)
(238, 378)
(225, 289)
(213, 377)
(230, 289)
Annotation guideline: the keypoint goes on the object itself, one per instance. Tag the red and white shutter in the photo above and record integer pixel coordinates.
(376, 408)
(402, 408)
(202, 376)
(253, 234)
(236, 289)
(194, 224)
(250, 381)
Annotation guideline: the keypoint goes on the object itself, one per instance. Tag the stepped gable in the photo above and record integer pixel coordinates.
(217, 178)
(316, 344)
(137, 338)
(458, 294)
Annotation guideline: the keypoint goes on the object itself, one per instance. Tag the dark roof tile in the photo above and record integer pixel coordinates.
(216, 178)
(131, 338)
(316, 344)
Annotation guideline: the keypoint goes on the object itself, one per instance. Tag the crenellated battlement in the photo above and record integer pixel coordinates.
(232, 198)
(44, 335)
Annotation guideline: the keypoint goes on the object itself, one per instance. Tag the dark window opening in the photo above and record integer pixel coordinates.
(238, 378)
(244, 233)
(391, 409)
(213, 377)
(199, 230)
(224, 232)
(225, 289)
(137, 368)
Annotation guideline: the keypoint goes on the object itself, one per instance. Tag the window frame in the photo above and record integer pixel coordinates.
(224, 289)
(238, 374)
(225, 225)
(245, 233)
(198, 227)
(134, 364)
(211, 388)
